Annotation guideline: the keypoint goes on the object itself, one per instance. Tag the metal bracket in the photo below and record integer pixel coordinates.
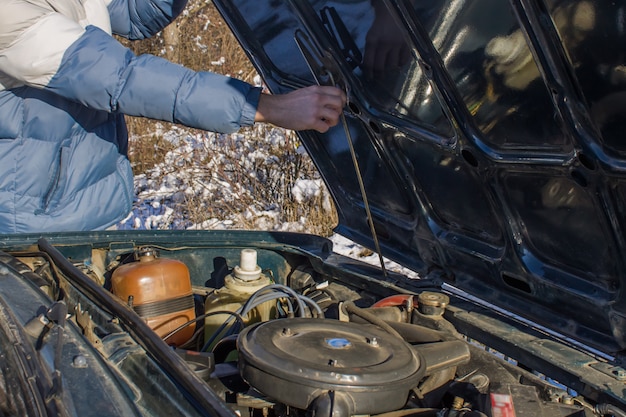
(83, 318)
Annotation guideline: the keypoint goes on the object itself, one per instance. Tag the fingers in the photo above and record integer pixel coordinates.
(326, 119)
(331, 97)
(314, 107)
(326, 103)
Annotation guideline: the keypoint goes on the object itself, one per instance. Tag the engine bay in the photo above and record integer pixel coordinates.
(274, 333)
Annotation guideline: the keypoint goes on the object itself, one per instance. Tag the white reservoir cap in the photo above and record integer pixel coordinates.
(248, 270)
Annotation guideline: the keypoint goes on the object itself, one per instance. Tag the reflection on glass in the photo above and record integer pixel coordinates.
(484, 51)
(486, 54)
(594, 35)
(388, 72)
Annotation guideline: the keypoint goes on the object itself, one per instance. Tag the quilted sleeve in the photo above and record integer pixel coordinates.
(99, 72)
(139, 19)
(48, 50)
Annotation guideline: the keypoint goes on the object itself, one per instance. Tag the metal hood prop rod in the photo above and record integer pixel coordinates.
(323, 76)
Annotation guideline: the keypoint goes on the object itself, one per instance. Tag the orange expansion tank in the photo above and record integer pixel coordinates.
(159, 291)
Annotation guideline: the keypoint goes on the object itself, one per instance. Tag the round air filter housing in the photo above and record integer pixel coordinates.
(299, 361)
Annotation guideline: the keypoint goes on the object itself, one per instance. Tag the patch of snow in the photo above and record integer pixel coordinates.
(216, 173)
(353, 250)
(221, 61)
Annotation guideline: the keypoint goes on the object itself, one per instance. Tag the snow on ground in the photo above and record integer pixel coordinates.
(246, 180)
(346, 247)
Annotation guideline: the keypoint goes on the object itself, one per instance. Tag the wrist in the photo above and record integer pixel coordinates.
(263, 109)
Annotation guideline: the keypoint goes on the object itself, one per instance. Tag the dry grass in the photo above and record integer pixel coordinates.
(201, 40)
(147, 148)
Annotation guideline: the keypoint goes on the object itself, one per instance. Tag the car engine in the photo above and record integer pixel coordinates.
(321, 349)
(312, 342)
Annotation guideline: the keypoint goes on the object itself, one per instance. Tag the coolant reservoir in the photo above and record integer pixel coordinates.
(159, 290)
(245, 280)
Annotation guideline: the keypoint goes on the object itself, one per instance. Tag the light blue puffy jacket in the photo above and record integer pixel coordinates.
(65, 84)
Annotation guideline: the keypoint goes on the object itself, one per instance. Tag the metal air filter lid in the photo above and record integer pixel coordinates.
(296, 360)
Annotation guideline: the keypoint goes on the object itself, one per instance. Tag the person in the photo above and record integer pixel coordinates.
(66, 84)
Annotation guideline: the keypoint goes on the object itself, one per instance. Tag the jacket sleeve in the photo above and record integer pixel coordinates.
(139, 19)
(90, 67)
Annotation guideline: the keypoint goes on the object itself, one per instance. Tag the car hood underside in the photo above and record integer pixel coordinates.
(482, 141)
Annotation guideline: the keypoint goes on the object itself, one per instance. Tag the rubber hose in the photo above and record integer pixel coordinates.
(608, 410)
(393, 301)
(351, 308)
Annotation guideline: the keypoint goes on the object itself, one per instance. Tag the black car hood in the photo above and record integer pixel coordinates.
(489, 136)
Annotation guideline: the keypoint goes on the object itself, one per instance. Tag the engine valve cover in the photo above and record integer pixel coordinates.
(296, 361)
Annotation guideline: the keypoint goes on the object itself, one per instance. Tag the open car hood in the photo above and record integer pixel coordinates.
(489, 141)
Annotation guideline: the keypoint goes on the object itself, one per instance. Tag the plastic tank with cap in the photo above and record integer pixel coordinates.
(159, 290)
(245, 280)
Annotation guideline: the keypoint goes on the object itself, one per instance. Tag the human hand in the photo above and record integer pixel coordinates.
(315, 107)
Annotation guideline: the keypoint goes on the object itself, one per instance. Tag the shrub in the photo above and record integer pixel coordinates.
(259, 178)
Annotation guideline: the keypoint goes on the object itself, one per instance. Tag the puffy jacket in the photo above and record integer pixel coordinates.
(65, 84)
